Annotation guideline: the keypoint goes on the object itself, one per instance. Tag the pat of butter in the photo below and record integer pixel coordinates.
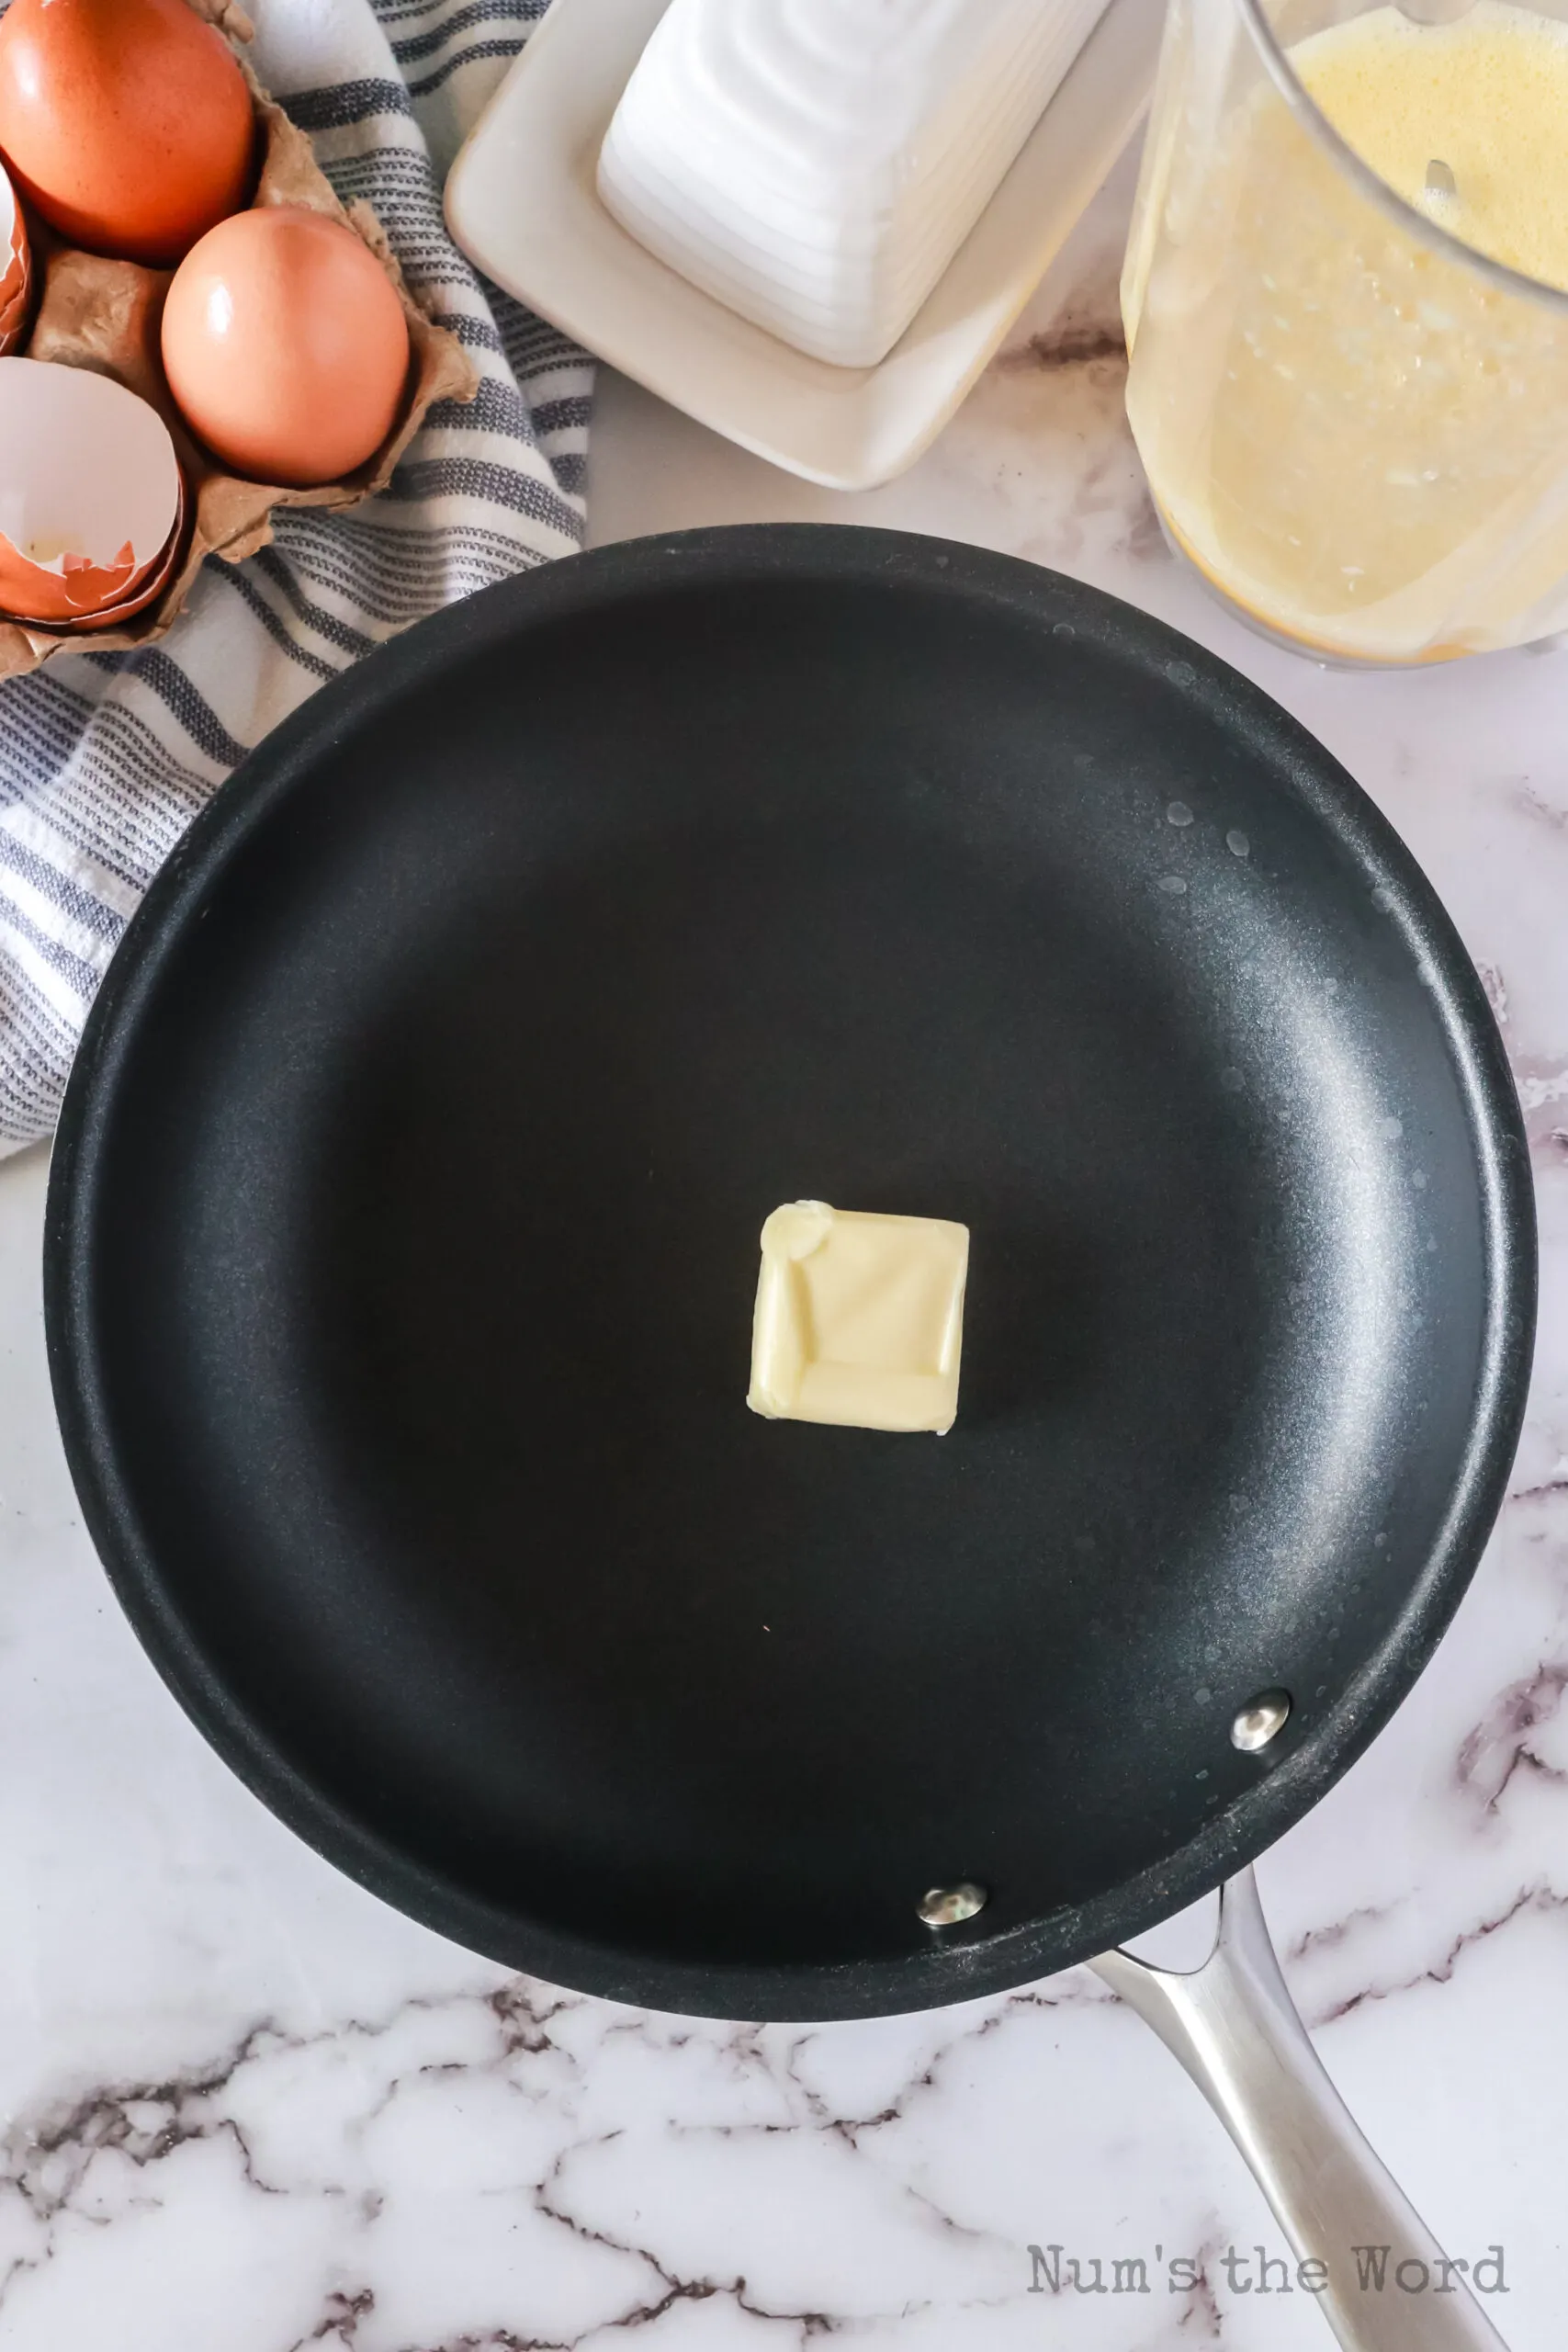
(859, 1318)
(815, 164)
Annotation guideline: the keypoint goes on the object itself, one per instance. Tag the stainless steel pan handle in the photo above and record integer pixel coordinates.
(1236, 2030)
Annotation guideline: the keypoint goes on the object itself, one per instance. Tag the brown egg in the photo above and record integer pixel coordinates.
(127, 123)
(286, 346)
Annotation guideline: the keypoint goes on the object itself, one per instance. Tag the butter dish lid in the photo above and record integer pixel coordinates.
(814, 164)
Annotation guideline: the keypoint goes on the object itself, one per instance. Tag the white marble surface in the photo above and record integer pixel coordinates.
(248, 2110)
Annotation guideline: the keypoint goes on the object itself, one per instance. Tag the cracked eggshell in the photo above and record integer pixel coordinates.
(90, 492)
(142, 590)
(16, 268)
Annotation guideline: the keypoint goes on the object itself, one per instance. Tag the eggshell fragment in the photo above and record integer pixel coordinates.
(16, 268)
(89, 491)
(142, 591)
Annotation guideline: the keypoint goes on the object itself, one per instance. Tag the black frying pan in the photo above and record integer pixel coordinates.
(403, 1229)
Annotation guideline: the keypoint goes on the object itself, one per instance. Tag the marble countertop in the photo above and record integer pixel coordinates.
(246, 2108)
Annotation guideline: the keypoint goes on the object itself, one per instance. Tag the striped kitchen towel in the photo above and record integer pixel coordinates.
(106, 758)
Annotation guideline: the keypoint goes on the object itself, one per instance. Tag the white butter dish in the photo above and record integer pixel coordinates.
(523, 204)
(815, 164)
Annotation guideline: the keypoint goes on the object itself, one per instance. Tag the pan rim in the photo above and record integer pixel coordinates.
(106, 1063)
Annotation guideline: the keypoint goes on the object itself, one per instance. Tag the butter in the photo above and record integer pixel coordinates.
(859, 1318)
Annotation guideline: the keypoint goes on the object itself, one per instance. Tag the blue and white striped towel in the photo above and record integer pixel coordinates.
(106, 758)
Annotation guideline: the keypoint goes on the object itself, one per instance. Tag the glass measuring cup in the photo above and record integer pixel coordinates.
(1354, 423)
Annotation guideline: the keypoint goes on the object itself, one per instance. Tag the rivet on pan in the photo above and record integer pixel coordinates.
(944, 1906)
(1260, 1720)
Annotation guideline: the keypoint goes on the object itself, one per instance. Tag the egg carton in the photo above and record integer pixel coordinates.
(104, 315)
